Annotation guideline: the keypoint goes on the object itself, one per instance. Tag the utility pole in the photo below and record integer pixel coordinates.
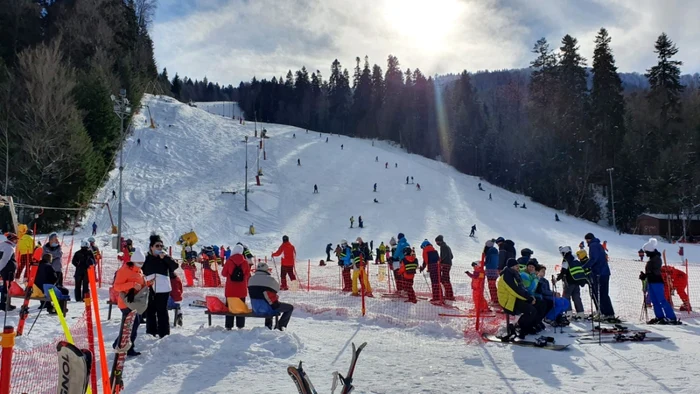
(612, 197)
(123, 110)
(246, 173)
(255, 115)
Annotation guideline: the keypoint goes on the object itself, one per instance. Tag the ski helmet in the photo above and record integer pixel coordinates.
(285, 238)
(343, 242)
(84, 243)
(91, 240)
(424, 244)
(564, 250)
(407, 251)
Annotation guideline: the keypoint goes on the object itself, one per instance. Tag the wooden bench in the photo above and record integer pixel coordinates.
(251, 314)
(175, 314)
(60, 297)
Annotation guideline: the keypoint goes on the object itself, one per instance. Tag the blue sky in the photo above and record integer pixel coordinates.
(233, 40)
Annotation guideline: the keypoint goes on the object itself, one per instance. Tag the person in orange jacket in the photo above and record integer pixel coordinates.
(679, 282)
(478, 278)
(129, 279)
(289, 254)
(409, 265)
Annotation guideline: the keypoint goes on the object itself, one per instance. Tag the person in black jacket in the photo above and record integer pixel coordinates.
(506, 250)
(655, 286)
(514, 298)
(158, 269)
(445, 267)
(82, 259)
(329, 248)
(46, 275)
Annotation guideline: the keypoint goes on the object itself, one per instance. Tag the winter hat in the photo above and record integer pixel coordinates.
(424, 244)
(534, 262)
(358, 240)
(564, 250)
(511, 263)
(475, 263)
(489, 243)
(500, 239)
(651, 245)
(137, 257)
(153, 239)
(238, 249)
(589, 236)
(581, 254)
(439, 239)
(262, 267)
(526, 252)
(285, 238)
(401, 235)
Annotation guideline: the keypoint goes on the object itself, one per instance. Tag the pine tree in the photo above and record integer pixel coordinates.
(176, 86)
(664, 78)
(361, 102)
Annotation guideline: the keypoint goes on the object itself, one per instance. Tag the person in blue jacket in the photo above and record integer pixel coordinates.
(555, 306)
(345, 258)
(491, 265)
(263, 290)
(396, 258)
(600, 277)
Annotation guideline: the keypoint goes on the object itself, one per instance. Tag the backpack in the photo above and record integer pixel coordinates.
(237, 275)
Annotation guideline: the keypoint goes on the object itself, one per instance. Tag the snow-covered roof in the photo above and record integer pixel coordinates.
(672, 216)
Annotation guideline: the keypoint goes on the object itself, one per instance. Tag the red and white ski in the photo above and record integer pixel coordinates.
(120, 356)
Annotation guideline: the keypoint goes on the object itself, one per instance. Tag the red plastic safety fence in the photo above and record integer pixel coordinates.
(35, 370)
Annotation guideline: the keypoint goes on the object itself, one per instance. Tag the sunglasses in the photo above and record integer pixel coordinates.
(158, 245)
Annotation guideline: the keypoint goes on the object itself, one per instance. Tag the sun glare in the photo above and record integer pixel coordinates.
(426, 23)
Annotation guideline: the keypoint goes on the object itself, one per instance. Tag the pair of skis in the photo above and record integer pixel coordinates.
(115, 377)
(540, 342)
(303, 382)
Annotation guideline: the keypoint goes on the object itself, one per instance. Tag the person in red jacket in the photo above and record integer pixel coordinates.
(679, 282)
(478, 279)
(409, 265)
(237, 272)
(289, 254)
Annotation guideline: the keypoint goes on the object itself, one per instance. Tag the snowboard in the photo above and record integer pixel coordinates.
(115, 377)
(634, 337)
(520, 342)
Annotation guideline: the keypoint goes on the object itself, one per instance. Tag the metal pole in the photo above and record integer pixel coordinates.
(246, 173)
(612, 197)
(121, 169)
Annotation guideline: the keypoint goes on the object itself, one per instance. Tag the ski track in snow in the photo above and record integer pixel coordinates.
(172, 191)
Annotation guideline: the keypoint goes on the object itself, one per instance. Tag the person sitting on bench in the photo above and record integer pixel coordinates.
(46, 275)
(514, 298)
(263, 290)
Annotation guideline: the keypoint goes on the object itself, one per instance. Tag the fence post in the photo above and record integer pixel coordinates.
(8, 343)
(687, 287)
(91, 340)
(308, 277)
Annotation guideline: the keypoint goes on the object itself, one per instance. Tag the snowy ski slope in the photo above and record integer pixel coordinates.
(173, 190)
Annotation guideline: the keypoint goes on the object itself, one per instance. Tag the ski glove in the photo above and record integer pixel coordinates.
(130, 295)
(642, 275)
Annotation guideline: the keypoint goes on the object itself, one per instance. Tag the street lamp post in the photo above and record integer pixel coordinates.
(246, 173)
(612, 197)
(123, 110)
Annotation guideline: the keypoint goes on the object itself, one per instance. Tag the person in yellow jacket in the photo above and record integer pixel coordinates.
(26, 250)
(358, 269)
(514, 298)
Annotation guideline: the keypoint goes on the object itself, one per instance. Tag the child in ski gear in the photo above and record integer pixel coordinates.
(237, 273)
(445, 267)
(641, 254)
(397, 256)
(94, 228)
(263, 290)
(514, 298)
(345, 260)
(679, 282)
(555, 306)
(130, 280)
(600, 276)
(407, 271)
(157, 268)
(289, 254)
(431, 260)
(478, 279)
(530, 281)
(82, 260)
(210, 271)
(573, 276)
(8, 266)
(360, 253)
(491, 265)
(663, 311)
(53, 248)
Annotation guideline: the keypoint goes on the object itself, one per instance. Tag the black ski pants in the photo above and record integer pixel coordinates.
(240, 321)
(157, 319)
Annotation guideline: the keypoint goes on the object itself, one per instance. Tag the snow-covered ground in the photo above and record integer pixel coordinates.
(172, 190)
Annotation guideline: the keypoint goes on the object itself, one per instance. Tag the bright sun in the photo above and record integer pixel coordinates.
(427, 23)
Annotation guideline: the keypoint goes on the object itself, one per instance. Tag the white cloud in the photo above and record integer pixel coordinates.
(233, 40)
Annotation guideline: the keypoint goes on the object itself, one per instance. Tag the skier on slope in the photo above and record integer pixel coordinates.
(288, 253)
(352, 221)
(381, 253)
(445, 267)
(471, 234)
(360, 223)
(663, 311)
(375, 187)
(264, 298)
(130, 281)
(329, 248)
(431, 258)
(25, 247)
(82, 260)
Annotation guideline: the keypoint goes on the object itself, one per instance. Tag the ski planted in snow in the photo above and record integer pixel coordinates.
(301, 379)
(24, 309)
(541, 343)
(346, 380)
(635, 337)
(120, 356)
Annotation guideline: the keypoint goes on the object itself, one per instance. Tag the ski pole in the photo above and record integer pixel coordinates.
(600, 316)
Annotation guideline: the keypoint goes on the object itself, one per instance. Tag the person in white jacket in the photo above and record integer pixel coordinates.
(8, 266)
(158, 269)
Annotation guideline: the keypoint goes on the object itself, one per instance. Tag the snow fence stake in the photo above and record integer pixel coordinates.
(308, 277)
(106, 386)
(8, 344)
(91, 339)
(70, 256)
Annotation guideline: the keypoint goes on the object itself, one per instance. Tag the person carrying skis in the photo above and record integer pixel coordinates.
(53, 248)
(360, 256)
(352, 221)
(573, 276)
(345, 260)
(679, 282)
(471, 234)
(130, 280)
(82, 260)
(407, 271)
(663, 311)
(431, 258)
(8, 266)
(289, 254)
(478, 278)
(46, 275)
(94, 228)
(157, 268)
(329, 248)
(491, 264)
(515, 299)
(600, 278)
(264, 298)
(445, 267)
(237, 273)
